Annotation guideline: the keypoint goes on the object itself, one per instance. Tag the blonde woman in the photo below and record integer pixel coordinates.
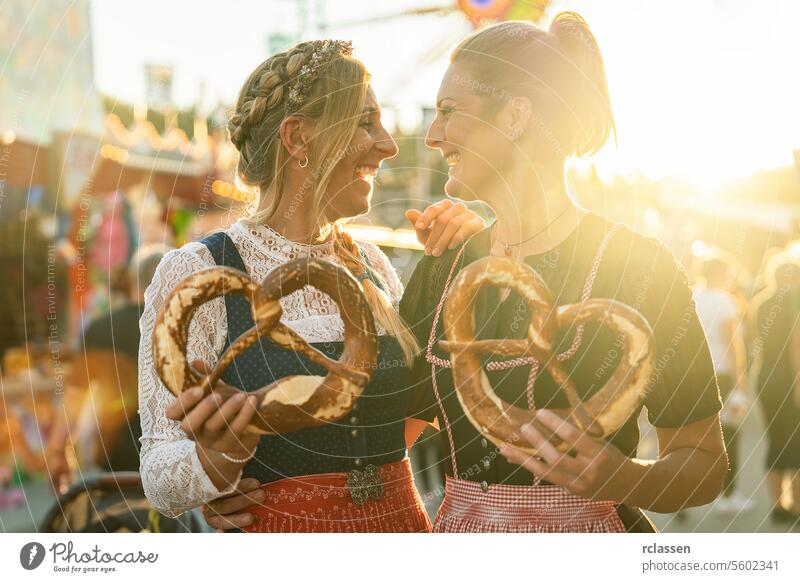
(308, 130)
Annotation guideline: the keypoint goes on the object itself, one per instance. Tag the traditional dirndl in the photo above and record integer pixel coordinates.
(324, 504)
(522, 509)
(346, 476)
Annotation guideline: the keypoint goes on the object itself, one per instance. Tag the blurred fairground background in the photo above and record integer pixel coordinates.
(112, 138)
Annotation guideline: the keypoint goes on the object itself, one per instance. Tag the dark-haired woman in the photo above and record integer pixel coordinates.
(515, 104)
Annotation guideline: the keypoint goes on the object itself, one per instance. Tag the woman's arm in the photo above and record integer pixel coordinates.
(219, 427)
(173, 474)
(690, 469)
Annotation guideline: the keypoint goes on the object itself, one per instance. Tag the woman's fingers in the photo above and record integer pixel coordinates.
(245, 415)
(438, 227)
(413, 215)
(235, 438)
(238, 502)
(544, 449)
(577, 439)
(228, 512)
(246, 485)
(201, 366)
(223, 418)
(194, 421)
(535, 466)
(431, 213)
(470, 227)
(184, 403)
(235, 521)
(445, 236)
(444, 227)
(188, 399)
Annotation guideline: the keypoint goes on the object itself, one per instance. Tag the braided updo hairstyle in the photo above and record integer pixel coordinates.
(333, 103)
(561, 69)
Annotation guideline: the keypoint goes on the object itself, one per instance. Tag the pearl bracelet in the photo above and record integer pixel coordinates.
(227, 457)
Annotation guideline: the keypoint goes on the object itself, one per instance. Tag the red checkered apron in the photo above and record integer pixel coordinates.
(469, 507)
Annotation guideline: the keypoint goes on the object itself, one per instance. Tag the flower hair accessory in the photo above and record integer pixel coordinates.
(329, 50)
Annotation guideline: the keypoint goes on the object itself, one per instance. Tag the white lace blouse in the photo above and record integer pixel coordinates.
(174, 480)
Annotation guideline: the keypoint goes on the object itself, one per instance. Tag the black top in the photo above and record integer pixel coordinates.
(635, 270)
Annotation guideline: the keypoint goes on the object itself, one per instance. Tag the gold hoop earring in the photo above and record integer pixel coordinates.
(304, 163)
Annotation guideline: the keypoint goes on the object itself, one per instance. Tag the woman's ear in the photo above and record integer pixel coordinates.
(293, 137)
(520, 110)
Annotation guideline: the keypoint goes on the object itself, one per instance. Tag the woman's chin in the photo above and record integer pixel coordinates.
(361, 206)
(456, 189)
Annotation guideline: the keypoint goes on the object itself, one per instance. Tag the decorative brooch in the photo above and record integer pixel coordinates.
(365, 485)
(308, 73)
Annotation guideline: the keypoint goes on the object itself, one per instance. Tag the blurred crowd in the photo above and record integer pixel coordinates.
(754, 339)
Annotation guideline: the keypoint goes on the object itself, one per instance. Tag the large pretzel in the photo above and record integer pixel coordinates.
(290, 403)
(499, 421)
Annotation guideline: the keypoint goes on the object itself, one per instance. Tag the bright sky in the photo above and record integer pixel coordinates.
(706, 89)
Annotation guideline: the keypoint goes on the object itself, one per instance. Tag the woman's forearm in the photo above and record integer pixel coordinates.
(173, 478)
(222, 472)
(683, 478)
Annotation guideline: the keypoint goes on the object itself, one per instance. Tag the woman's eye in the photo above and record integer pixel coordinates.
(445, 111)
(367, 124)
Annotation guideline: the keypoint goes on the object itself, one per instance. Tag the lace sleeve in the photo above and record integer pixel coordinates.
(174, 481)
(380, 262)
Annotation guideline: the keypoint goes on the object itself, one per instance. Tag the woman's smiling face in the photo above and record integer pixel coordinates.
(472, 138)
(350, 188)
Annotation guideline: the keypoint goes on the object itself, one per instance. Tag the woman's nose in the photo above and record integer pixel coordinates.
(386, 145)
(433, 138)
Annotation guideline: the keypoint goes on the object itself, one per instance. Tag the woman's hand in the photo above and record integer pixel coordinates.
(444, 225)
(216, 424)
(228, 512)
(597, 471)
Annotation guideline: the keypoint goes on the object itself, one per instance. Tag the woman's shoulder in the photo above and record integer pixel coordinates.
(642, 271)
(429, 279)
(176, 265)
(191, 254)
(634, 252)
(626, 239)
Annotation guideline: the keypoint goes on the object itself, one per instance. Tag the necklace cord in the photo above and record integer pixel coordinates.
(508, 246)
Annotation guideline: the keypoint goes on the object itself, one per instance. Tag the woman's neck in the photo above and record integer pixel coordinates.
(294, 218)
(298, 229)
(534, 216)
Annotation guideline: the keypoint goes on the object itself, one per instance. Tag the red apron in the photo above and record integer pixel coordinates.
(323, 504)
